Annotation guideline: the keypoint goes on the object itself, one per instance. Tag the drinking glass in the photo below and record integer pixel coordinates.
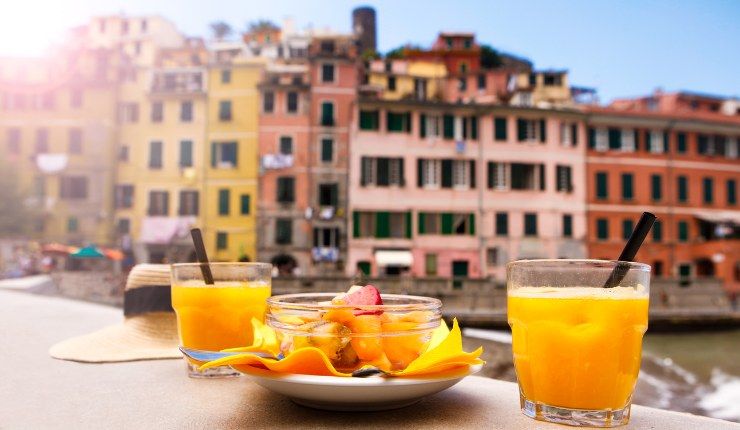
(217, 316)
(576, 344)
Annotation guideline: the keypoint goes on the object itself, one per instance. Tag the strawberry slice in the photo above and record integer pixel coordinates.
(365, 296)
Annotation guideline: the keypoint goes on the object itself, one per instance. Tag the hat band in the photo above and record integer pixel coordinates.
(151, 298)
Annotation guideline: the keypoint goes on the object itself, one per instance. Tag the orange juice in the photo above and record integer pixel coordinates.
(219, 316)
(577, 347)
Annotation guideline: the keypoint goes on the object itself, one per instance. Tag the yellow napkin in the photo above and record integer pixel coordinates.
(444, 353)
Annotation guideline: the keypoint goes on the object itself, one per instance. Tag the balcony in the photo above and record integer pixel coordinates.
(178, 82)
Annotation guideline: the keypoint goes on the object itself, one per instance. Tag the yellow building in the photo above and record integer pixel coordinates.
(57, 126)
(231, 155)
(542, 89)
(404, 79)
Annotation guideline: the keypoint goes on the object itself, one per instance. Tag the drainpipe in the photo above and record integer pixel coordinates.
(670, 196)
(481, 185)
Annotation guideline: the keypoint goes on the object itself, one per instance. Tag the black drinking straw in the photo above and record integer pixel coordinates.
(200, 253)
(630, 249)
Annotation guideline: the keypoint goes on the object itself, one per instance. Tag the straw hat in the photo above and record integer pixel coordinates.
(148, 331)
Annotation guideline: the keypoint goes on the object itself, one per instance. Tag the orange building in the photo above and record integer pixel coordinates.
(682, 165)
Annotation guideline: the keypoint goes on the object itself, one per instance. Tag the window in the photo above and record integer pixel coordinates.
(568, 134)
(683, 231)
(552, 79)
(123, 153)
(222, 241)
(286, 189)
(14, 140)
(602, 229)
(530, 224)
(186, 153)
(430, 126)
(72, 225)
(628, 186)
(567, 225)
(628, 140)
(268, 102)
(462, 83)
(499, 125)
(598, 139)
(656, 187)
(430, 264)
(531, 130)
(460, 224)
(327, 150)
(327, 46)
(73, 187)
(188, 203)
(42, 141)
(461, 174)
(159, 203)
(448, 126)
(391, 83)
(731, 192)
(75, 141)
(502, 224)
(399, 122)
(327, 72)
(186, 111)
(369, 120)
(481, 82)
(244, 204)
(326, 237)
(381, 171)
(124, 196)
(658, 268)
(703, 146)
(564, 179)
(224, 201)
(682, 188)
(381, 225)
(124, 226)
(292, 102)
(681, 143)
(283, 231)
(497, 175)
(708, 190)
(627, 226)
(286, 145)
(75, 99)
(157, 112)
(225, 76)
(527, 176)
(429, 173)
(615, 138)
(328, 194)
(492, 257)
(327, 114)
(657, 231)
(224, 155)
(155, 154)
(224, 110)
(684, 270)
(602, 180)
(364, 267)
(420, 89)
(655, 142)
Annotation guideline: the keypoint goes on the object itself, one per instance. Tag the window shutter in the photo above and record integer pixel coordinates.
(401, 174)
(447, 223)
(465, 122)
(471, 224)
(408, 225)
(647, 140)
(472, 173)
(355, 224)
(499, 124)
(542, 177)
(474, 127)
(666, 146)
(419, 172)
(446, 173)
(592, 138)
(213, 154)
(383, 172)
(408, 126)
(422, 221)
(490, 174)
(382, 224)
(543, 130)
(521, 130)
(574, 134)
(637, 140)
(448, 126)
(569, 178)
(363, 171)
(422, 125)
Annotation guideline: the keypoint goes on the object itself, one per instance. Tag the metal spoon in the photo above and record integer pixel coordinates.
(200, 355)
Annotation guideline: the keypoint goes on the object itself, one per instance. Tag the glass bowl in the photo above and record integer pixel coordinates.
(387, 336)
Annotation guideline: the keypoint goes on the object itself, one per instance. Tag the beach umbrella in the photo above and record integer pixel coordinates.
(88, 252)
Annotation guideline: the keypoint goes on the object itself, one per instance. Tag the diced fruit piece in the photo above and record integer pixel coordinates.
(365, 296)
(381, 362)
(329, 337)
(416, 316)
(367, 347)
(347, 359)
(342, 316)
(402, 350)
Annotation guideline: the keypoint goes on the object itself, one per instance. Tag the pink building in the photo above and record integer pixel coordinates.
(441, 189)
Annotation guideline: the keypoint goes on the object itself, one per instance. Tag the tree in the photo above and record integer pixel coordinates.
(16, 214)
(221, 30)
(261, 25)
(490, 57)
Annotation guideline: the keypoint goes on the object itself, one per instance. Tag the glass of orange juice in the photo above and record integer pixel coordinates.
(217, 316)
(576, 344)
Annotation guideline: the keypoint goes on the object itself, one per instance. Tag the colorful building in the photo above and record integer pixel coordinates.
(678, 159)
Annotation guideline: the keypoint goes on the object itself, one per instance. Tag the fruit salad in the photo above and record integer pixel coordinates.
(356, 328)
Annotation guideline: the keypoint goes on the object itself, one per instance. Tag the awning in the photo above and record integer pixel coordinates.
(162, 230)
(731, 217)
(394, 258)
(51, 163)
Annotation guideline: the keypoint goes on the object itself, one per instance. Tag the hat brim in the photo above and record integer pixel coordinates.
(138, 338)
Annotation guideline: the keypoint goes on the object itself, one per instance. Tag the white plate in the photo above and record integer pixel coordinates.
(356, 394)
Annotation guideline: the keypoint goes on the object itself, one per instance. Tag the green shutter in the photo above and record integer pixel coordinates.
(683, 231)
(368, 120)
(474, 127)
(591, 138)
(731, 192)
(627, 186)
(447, 219)
(615, 138)
(419, 175)
(657, 231)
(471, 222)
(601, 185)
(213, 154)
(648, 140)
(245, 200)
(681, 143)
(446, 173)
(448, 126)
(627, 227)
(422, 223)
(521, 130)
(223, 201)
(355, 224)
(500, 128)
(408, 225)
(655, 183)
(364, 267)
(382, 224)
(683, 194)
(543, 130)
(422, 126)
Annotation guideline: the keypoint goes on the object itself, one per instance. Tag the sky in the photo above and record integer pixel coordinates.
(621, 48)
